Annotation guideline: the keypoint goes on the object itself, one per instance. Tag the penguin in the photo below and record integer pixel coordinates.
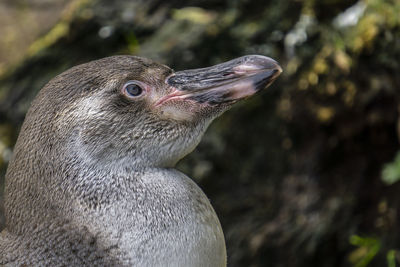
(92, 179)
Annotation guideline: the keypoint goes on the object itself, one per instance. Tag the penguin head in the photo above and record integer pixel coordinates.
(126, 111)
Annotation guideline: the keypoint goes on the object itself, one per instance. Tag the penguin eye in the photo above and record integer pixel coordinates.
(132, 89)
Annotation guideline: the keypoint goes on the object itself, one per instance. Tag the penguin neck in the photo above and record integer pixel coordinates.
(144, 154)
(111, 175)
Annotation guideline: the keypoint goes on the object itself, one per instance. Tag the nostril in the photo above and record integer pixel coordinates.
(227, 74)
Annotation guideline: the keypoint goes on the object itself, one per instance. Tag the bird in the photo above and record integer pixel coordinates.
(92, 180)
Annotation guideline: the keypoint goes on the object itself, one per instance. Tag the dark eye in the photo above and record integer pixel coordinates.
(132, 89)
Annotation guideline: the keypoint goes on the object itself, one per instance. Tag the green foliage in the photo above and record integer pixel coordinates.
(368, 249)
(391, 258)
(391, 171)
(59, 30)
(132, 43)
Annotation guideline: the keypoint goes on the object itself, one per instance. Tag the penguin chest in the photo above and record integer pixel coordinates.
(163, 223)
(177, 227)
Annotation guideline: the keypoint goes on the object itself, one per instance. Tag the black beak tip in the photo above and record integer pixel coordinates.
(266, 70)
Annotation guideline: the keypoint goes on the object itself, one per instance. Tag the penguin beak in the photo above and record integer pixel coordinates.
(224, 83)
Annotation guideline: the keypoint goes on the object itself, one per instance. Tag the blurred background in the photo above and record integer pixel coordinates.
(304, 174)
